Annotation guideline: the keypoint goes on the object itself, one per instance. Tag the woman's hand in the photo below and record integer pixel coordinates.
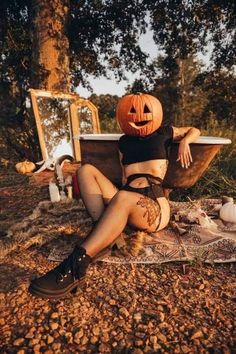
(184, 154)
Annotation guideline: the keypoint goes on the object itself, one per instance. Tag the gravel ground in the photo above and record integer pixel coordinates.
(171, 308)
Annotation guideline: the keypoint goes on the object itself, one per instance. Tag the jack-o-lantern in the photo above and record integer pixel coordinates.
(139, 114)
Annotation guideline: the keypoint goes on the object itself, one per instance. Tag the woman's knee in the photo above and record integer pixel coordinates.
(86, 170)
(123, 198)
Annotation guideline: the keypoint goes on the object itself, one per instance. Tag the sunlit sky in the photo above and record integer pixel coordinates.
(104, 86)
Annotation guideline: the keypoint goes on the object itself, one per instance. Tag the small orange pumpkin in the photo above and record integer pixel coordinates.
(139, 114)
(25, 167)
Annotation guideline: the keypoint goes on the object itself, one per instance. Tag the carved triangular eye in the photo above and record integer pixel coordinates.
(132, 110)
(146, 109)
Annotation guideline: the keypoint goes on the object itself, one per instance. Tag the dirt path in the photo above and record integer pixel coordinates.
(171, 308)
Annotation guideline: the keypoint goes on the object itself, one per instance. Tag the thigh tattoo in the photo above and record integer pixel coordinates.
(152, 209)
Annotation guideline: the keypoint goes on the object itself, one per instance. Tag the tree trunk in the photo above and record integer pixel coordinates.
(50, 60)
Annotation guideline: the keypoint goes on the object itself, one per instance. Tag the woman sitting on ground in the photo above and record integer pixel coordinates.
(140, 202)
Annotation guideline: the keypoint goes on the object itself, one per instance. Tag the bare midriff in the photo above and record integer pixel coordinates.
(155, 168)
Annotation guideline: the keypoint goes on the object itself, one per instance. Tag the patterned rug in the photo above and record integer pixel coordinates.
(194, 233)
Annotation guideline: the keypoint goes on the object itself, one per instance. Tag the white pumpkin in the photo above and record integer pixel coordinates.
(25, 167)
(228, 212)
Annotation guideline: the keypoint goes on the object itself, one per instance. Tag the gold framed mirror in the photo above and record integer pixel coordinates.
(59, 118)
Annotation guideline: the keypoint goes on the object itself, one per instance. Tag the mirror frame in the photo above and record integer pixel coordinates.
(74, 119)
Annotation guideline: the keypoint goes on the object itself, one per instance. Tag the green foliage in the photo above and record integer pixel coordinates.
(106, 105)
(183, 28)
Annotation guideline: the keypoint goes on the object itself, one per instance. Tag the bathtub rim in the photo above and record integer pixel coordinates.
(206, 140)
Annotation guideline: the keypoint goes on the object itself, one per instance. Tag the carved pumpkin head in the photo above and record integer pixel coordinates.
(139, 114)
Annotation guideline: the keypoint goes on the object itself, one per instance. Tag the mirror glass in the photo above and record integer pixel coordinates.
(55, 120)
(85, 116)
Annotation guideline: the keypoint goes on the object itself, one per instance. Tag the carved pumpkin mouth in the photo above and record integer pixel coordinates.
(139, 124)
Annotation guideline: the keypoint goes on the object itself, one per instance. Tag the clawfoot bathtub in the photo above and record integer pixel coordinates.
(101, 151)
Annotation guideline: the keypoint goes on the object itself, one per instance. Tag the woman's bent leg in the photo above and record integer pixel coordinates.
(96, 190)
(125, 207)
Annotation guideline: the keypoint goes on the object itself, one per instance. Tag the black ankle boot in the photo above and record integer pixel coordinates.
(64, 278)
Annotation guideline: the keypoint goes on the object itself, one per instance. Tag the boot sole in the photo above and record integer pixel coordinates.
(39, 292)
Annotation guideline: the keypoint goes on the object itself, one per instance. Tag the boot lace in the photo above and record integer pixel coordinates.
(70, 266)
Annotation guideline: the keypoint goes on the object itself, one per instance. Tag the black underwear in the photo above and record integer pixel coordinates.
(153, 191)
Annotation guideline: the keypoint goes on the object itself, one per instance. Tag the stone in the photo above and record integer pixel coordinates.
(137, 351)
(94, 340)
(124, 311)
(50, 339)
(33, 342)
(84, 340)
(53, 325)
(161, 337)
(112, 302)
(56, 346)
(2, 321)
(36, 348)
(62, 321)
(153, 339)
(54, 315)
(96, 330)
(78, 335)
(19, 341)
(138, 316)
(104, 348)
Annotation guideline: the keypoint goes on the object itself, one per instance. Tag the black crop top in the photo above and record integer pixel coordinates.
(151, 147)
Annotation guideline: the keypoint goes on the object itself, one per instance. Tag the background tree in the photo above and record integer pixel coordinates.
(97, 37)
(56, 45)
(106, 105)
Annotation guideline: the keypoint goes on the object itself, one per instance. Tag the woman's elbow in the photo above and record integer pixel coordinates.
(197, 131)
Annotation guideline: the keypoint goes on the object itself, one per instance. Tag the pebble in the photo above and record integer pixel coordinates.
(185, 349)
(2, 321)
(54, 315)
(153, 339)
(124, 311)
(30, 334)
(53, 325)
(19, 341)
(50, 339)
(161, 337)
(33, 342)
(36, 348)
(196, 335)
(137, 351)
(96, 331)
(79, 334)
(138, 316)
(56, 346)
(94, 339)
(105, 338)
(84, 340)
(62, 321)
(104, 348)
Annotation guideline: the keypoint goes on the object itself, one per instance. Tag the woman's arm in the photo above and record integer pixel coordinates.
(122, 168)
(186, 136)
